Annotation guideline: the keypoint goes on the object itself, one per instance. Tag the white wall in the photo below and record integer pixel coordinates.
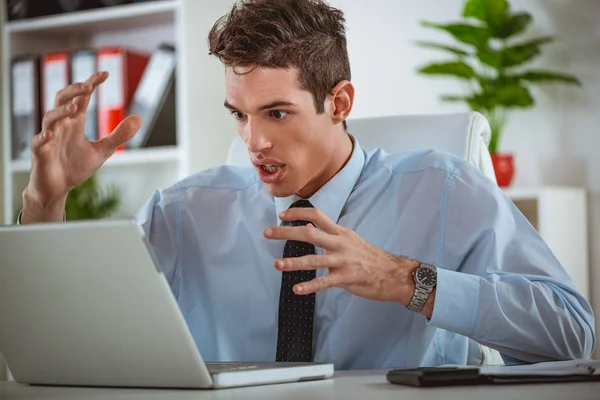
(3, 370)
(557, 142)
(212, 128)
(1, 124)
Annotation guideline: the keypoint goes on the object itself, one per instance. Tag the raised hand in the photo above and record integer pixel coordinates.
(352, 263)
(61, 155)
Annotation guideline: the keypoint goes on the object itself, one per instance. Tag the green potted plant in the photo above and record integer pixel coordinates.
(489, 57)
(89, 201)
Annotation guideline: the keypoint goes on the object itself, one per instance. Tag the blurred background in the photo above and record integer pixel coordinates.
(547, 119)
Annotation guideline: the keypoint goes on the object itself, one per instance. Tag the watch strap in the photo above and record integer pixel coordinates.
(419, 298)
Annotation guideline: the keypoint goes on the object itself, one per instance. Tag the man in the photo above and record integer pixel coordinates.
(326, 252)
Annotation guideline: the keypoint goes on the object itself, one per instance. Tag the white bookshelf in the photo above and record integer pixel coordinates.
(559, 214)
(141, 26)
(204, 129)
(158, 155)
(99, 20)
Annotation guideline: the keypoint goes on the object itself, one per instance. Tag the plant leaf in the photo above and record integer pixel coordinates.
(432, 45)
(548, 76)
(515, 96)
(452, 98)
(513, 25)
(481, 102)
(512, 96)
(491, 12)
(87, 201)
(512, 56)
(458, 69)
(470, 34)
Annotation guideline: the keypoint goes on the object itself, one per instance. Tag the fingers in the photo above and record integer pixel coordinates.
(67, 94)
(308, 262)
(56, 114)
(314, 215)
(316, 285)
(37, 141)
(122, 133)
(307, 233)
(81, 92)
(94, 81)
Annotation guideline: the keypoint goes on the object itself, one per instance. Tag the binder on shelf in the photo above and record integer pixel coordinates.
(125, 68)
(24, 9)
(154, 101)
(83, 65)
(25, 104)
(55, 76)
(67, 6)
(112, 3)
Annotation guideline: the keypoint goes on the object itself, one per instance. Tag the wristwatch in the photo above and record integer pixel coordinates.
(425, 277)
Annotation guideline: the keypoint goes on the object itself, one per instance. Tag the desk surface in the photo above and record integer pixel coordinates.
(370, 385)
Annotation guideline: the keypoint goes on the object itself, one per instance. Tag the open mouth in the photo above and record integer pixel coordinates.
(270, 168)
(270, 173)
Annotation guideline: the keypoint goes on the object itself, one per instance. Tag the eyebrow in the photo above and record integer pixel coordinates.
(274, 104)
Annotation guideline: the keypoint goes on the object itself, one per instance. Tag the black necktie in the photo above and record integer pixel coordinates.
(294, 338)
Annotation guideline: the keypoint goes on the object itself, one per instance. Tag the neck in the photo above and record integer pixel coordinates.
(336, 163)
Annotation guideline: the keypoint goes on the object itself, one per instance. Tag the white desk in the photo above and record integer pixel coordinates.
(370, 385)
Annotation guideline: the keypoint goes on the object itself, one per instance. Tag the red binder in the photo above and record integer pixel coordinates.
(55, 76)
(125, 68)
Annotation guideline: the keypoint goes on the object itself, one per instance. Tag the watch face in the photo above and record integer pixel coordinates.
(426, 276)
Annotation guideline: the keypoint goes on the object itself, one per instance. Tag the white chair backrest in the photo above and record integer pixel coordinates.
(465, 135)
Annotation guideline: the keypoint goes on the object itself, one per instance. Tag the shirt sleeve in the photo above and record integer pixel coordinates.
(500, 284)
(160, 218)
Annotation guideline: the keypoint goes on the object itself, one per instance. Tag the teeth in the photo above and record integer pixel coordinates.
(271, 168)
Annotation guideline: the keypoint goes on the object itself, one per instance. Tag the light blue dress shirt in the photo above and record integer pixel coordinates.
(498, 282)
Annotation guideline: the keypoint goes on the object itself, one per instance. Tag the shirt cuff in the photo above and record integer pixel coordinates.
(21, 212)
(456, 302)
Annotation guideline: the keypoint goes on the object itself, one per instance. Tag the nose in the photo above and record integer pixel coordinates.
(255, 138)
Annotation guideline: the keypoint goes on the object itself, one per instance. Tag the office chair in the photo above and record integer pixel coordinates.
(465, 135)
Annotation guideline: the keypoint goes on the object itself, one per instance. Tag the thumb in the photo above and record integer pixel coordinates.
(122, 133)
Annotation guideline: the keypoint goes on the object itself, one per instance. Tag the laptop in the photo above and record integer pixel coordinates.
(85, 304)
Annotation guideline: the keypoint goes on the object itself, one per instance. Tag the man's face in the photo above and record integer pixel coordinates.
(289, 144)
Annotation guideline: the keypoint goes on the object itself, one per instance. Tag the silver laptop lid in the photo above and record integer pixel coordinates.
(82, 303)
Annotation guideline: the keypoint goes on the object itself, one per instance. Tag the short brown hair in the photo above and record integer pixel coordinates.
(309, 35)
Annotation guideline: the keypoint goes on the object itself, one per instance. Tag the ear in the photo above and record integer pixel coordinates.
(341, 99)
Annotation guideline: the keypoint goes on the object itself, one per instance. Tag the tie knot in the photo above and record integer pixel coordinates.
(302, 204)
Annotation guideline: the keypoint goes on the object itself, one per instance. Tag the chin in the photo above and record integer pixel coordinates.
(284, 188)
(279, 190)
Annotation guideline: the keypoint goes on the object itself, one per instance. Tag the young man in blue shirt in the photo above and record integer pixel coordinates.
(324, 251)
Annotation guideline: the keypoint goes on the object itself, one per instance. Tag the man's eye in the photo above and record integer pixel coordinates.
(277, 114)
(238, 115)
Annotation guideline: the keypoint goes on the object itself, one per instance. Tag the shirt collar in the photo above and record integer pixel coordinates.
(332, 196)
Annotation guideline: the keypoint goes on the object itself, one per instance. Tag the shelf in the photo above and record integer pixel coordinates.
(522, 193)
(157, 155)
(102, 19)
(145, 156)
(533, 193)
